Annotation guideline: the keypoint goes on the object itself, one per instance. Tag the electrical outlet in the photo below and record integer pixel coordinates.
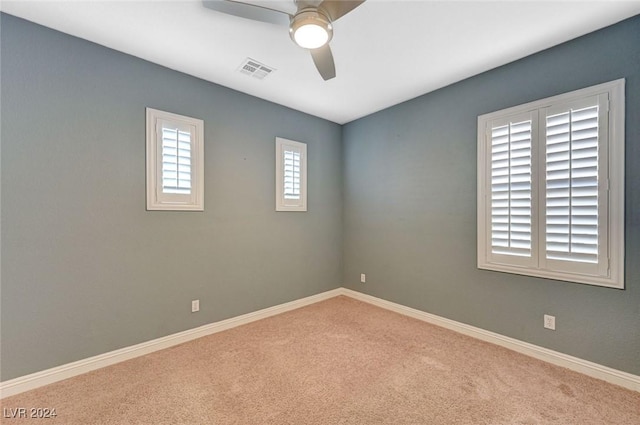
(363, 278)
(550, 322)
(195, 306)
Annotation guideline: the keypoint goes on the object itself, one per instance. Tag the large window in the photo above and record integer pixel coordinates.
(291, 175)
(551, 187)
(175, 162)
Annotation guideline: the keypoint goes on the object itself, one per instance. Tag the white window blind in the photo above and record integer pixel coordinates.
(551, 187)
(291, 175)
(176, 159)
(511, 189)
(572, 185)
(175, 162)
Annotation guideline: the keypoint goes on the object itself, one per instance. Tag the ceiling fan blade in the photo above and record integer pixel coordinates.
(253, 11)
(323, 59)
(337, 8)
(303, 4)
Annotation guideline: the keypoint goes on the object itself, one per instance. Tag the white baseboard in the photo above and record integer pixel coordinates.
(49, 376)
(623, 379)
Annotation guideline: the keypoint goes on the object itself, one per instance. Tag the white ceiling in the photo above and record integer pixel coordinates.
(385, 51)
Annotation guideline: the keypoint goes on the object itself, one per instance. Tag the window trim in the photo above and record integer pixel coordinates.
(615, 157)
(156, 200)
(283, 204)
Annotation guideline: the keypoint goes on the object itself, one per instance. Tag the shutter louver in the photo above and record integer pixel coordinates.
(511, 189)
(176, 161)
(292, 174)
(572, 185)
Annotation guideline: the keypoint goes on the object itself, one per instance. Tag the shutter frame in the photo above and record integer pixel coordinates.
(574, 261)
(157, 197)
(609, 270)
(495, 255)
(291, 175)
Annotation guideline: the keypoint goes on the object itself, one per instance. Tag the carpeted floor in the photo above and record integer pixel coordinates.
(340, 361)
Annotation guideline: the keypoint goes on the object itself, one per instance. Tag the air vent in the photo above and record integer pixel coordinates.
(255, 69)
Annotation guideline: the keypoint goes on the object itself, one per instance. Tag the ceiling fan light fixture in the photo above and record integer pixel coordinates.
(310, 29)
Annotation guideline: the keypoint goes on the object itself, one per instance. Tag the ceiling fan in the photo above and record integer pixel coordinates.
(309, 22)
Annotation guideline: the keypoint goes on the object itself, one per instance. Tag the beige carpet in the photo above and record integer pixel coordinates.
(336, 362)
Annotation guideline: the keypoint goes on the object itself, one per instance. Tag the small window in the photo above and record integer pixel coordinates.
(291, 175)
(551, 187)
(175, 162)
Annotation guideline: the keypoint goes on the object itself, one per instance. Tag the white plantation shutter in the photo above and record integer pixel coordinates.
(511, 191)
(551, 187)
(572, 185)
(176, 159)
(291, 175)
(175, 156)
(576, 178)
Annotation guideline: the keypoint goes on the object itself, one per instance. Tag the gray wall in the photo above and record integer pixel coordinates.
(85, 268)
(410, 206)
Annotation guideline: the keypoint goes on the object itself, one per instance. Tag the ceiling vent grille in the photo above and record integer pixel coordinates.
(255, 69)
